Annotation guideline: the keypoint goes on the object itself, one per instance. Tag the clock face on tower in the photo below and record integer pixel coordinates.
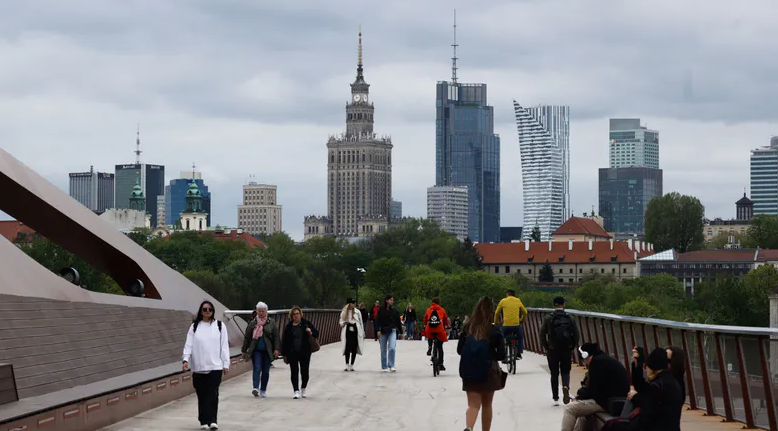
(364, 98)
(357, 97)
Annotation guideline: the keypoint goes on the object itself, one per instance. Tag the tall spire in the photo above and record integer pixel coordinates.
(137, 146)
(454, 58)
(359, 63)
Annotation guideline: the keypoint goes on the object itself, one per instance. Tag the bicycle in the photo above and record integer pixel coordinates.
(437, 347)
(510, 340)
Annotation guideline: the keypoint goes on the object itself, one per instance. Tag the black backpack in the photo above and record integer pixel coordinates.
(434, 319)
(196, 323)
(474, 363)
(562, 335)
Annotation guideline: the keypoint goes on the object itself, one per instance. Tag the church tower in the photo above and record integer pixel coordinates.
(194, 217)
(137, 200)
(359, 168)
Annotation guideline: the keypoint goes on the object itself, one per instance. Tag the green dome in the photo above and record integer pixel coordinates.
(137, 192)
(193, 191)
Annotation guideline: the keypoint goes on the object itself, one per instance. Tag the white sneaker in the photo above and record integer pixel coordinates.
(304, 392)
(203, 427)
(384, 370)
(297, 395)
(347, 368)
(255, 392)
(393, 369)
(556, 403)
(263, 394)
(351, 368)
(214, 426)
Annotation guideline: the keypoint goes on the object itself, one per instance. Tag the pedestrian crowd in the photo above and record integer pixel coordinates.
(652, 401)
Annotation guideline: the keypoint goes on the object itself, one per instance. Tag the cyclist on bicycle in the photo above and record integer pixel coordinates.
(513, 315)
(435, 322)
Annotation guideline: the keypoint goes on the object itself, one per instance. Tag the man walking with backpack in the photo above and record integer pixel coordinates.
(559, 336)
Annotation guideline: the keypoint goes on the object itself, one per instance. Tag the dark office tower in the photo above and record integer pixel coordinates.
(92, 189)
(152, 182)
(624, 197)
(467, 152)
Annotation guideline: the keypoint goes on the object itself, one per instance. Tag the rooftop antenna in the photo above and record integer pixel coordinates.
(454, 58)
(359, 63)
(193, 171)
(137, 146)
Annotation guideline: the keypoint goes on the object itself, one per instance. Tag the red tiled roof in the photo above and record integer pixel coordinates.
(767, 255)
(581, 226)
(10, 229)
(718, 256)
(515, 253)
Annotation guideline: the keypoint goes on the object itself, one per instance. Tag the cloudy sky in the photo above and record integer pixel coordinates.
(246, 87)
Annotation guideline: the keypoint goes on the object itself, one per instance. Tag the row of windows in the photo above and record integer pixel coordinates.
(561, 270)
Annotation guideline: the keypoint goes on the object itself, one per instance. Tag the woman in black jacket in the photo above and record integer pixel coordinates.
(296, 348)
(409, 319)
(659, 398)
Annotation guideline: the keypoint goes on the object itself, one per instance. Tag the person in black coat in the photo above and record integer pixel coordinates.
(660, 398)
(296, 348)
(607, 379)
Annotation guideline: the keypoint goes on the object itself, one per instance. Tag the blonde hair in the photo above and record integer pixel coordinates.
(292, 311)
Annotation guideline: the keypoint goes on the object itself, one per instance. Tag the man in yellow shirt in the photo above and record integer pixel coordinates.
(513, 315)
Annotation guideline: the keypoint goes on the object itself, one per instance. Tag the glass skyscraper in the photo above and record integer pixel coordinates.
(624, 197)
(632, 144)
(764, 178)
(175, 199)
(467, 153)
(544, 141)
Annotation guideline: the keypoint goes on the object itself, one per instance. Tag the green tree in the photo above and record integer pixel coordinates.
(675, 221)
(763, 232)
(639, 307)
(467, 256)
(385, 275)
(327, 286)
(260, 279)
(535, 236)
(724, 301)
(465, 289)
(757, 286)
(55, 258)
(546, 274)
(719, 241)
(593, 293)
(140, 235)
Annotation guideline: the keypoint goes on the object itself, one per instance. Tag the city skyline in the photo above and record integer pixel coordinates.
(268, 103)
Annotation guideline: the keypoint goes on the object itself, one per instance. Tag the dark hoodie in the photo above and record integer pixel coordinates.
(607, 379)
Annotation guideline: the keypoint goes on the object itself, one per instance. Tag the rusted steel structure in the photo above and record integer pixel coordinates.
(731, 371)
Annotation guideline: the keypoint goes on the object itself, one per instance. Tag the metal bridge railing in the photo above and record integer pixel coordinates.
(731, 371)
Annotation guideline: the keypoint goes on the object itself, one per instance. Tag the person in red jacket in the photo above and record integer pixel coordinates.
(435, 323)
(374, 314)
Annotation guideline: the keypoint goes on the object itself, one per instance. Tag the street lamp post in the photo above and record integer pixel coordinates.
(362, 272)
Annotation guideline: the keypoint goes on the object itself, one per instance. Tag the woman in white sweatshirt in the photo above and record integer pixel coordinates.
(207, 349)
(352, 333)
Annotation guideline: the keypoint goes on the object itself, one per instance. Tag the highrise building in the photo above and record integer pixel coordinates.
(633, 179)
(544, 142)
(396, 211)
(152, 182)
(764, 178)
(624, 197)
(449, 207)
(632, 144)
(175, 196)
(359, 170)
(93, 190)
(260, 212)
(467, 151)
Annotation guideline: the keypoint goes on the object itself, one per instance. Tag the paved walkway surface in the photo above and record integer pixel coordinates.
(366, 399)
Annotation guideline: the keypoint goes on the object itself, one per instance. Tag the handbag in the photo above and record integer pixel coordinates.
(497, 377)
(315, 346)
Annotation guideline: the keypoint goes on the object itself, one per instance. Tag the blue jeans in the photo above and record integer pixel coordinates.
(388, 341)
(260, 361)
(519, 332)
(410, 327)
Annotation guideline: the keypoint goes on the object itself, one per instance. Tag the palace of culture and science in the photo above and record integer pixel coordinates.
(359, 172)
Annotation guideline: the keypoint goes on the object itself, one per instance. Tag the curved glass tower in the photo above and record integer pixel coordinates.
(544, 141)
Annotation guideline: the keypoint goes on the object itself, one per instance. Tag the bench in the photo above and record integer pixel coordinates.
(614, 405)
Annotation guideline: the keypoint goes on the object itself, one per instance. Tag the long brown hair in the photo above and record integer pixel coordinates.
(479, 325)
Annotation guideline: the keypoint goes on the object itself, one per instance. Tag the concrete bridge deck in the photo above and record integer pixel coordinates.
(368, 399)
